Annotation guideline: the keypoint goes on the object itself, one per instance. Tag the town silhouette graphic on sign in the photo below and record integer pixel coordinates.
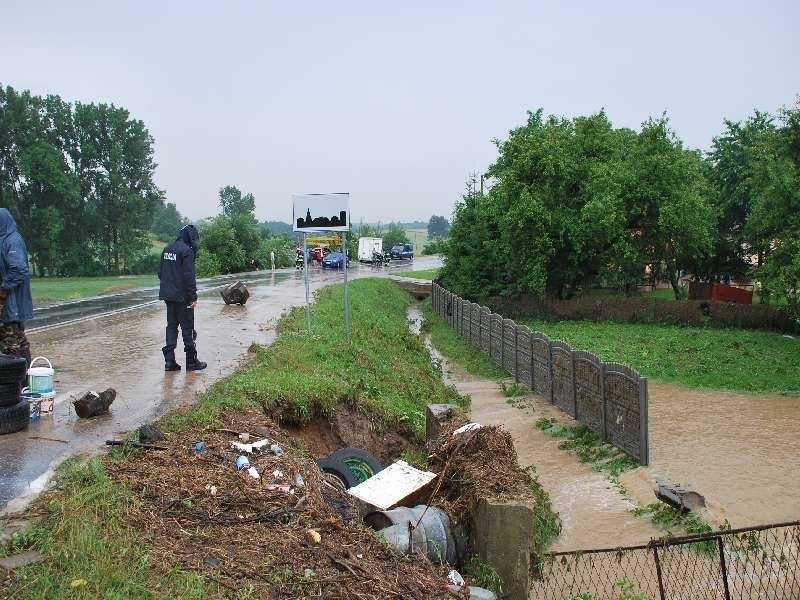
(334, 221)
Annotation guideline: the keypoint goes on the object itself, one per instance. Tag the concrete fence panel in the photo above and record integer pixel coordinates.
(589, 403)
(475, 325)
(542, 375)
(510, 347)
(626, 422)
(563, 376)
(486, 331)
(524, 356)
(497, 339)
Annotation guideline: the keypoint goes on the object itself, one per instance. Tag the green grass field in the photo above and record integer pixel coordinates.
(72, 288)
(422, 274)
(724, 359)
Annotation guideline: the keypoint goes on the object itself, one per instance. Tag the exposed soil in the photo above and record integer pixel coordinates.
(350, 428)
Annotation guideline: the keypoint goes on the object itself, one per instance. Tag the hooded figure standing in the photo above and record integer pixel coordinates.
(179, 291)
(16, 304)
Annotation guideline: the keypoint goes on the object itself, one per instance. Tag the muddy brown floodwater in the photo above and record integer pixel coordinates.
(741, 451)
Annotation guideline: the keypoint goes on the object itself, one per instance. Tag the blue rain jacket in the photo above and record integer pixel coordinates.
(14, 276)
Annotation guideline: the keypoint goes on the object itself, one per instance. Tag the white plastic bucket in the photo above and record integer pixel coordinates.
(47, 399)
(40, 379)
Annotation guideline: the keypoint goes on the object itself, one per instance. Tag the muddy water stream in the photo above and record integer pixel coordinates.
(592, 511)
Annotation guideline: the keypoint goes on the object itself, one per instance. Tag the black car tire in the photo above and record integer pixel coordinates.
(9, 393)
(12, 369)
(15, 418)
(351, 465)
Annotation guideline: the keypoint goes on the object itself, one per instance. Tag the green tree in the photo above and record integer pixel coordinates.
(438, 227)
(234, 203)
(394, 234)
(222, 249)
(167, 221)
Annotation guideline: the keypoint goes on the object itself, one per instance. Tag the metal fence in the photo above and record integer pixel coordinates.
(609, 398)
(752, 563)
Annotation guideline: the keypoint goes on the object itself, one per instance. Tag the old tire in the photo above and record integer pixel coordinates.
(351, 465)
(9, 394)
(15, 418)
(12, 369)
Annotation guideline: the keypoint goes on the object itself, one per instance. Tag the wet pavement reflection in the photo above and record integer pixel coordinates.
(116, 342)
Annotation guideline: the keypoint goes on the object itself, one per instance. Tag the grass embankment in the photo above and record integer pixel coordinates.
(51, 289)
(89, 550)
(385, 370)
(422, 274)
(724, 359)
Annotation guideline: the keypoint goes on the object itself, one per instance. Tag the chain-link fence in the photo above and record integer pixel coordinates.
(609, 398)
(751, 563)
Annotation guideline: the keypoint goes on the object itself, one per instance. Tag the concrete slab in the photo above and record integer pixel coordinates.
(396, 484)
(23, 559)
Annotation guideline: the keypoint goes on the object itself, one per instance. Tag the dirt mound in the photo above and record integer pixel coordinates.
(284, 542)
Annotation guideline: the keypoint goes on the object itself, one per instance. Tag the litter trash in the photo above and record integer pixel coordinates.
(199, 446)
(253, 472)
(313, 536)
(475, 593)
(92, 404)
(278, 475)
(297, 478)
(455, 578)
(423, 529)
(249, 448)
(244, 437)
(280, 487)
(276, 450)
(242, 463)
(212, 489)
(399, 483)
(467, 427)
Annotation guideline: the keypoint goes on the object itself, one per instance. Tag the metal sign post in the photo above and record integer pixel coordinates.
(305, 272)
(346, 300)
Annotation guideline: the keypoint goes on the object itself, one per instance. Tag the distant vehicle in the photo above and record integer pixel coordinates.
(368, 247)
(319, 253)
(402, 251)
(334, 260)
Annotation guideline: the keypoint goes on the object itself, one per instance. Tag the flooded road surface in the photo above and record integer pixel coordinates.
(123, 350)
(741, 451)
(593, 513)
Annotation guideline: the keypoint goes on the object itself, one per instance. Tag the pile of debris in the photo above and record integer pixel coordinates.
(275, 524)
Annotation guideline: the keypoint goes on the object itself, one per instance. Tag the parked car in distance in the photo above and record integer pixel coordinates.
(400, 251)
(334, 260)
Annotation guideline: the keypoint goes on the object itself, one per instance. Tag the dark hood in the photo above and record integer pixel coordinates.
(189, 235)
(7, 224)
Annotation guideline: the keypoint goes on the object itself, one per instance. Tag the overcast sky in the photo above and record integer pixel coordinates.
(394, 102)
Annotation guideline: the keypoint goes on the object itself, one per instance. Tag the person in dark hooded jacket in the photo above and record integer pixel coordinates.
(16, 304)
(178, 290)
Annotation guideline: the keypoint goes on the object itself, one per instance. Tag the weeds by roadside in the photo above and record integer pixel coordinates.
(668, 519)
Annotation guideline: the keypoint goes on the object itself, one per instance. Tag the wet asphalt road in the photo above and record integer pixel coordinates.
(115, 341)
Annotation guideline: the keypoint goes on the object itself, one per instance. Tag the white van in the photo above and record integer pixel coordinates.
(367, 247)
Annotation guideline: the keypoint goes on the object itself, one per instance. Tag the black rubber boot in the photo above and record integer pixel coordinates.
(169, 361)
(192, 364)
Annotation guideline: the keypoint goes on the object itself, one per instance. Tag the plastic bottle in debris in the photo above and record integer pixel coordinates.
(276, 450)
(297, 478)
(242, 463)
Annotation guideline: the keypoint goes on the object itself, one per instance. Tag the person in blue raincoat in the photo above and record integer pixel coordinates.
(16, 304)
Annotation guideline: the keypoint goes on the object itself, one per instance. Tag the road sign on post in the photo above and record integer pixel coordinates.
(323, 212)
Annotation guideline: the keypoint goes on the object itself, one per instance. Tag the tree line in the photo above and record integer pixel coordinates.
(78, 178)
(577, 203)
